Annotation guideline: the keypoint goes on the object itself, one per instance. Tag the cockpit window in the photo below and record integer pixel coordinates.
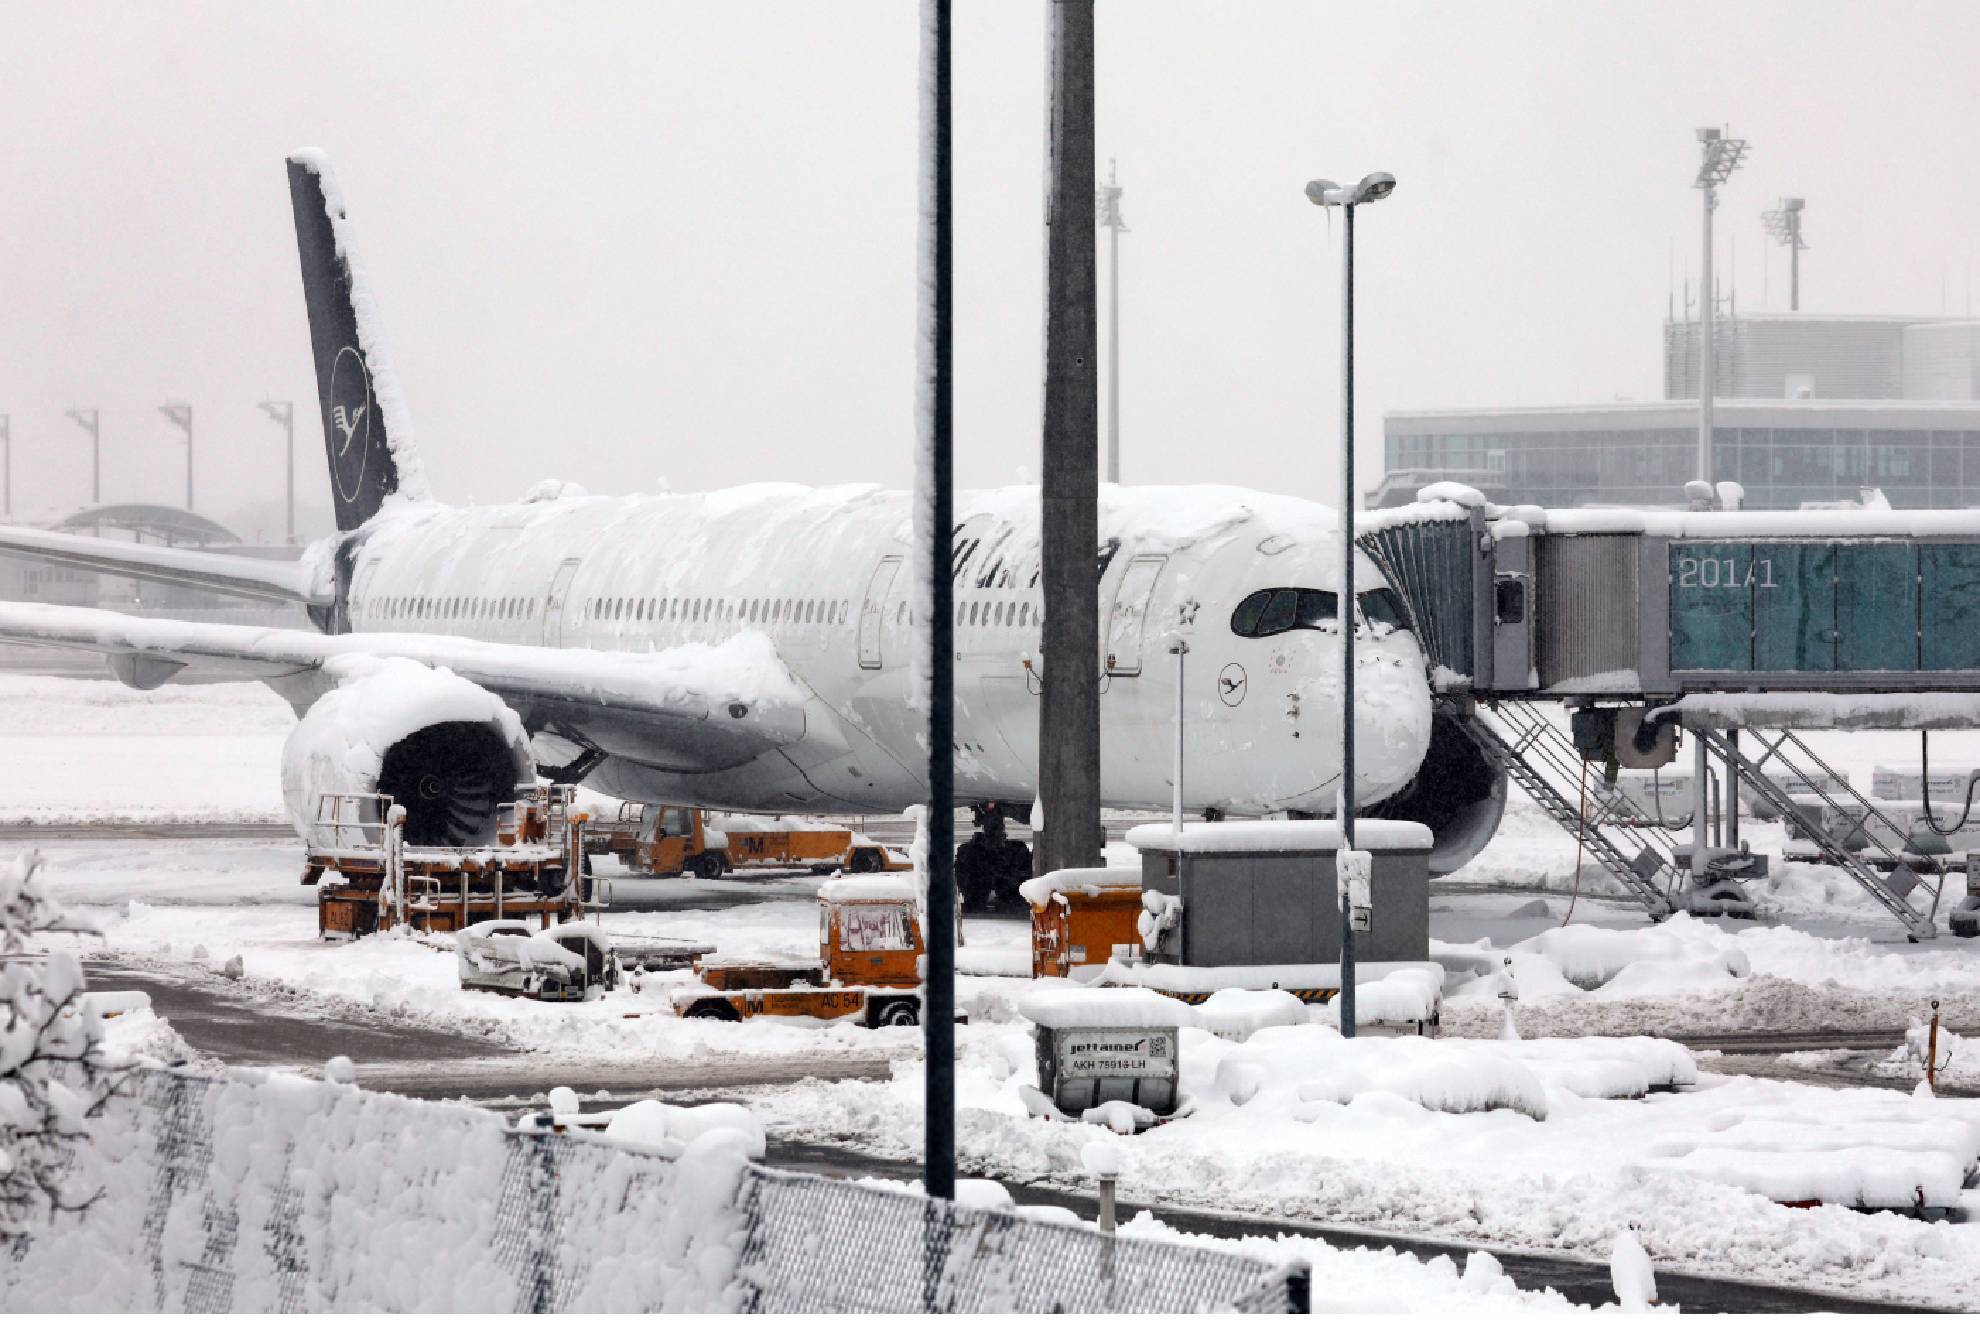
(1383, 606)
(1275, 610)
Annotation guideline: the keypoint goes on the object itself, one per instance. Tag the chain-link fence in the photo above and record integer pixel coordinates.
(284, 1195)
(815, 1244)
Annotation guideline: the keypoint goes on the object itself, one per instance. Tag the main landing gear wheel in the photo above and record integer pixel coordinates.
(990, 865)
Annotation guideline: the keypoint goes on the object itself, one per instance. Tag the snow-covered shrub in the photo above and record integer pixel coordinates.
(53, 1074)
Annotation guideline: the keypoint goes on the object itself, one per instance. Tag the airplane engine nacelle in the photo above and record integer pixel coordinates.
(450, 752)
(1457, 792)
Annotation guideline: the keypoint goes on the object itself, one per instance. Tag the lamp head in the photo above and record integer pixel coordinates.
(1708, 135)
(1374, 187)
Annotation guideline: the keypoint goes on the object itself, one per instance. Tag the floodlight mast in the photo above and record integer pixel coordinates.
(1722, 155)
(1784, 226)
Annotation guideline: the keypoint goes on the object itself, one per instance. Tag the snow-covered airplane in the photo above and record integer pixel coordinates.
(749, 648)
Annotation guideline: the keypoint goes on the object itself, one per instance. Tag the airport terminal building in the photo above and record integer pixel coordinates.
(1808, 410)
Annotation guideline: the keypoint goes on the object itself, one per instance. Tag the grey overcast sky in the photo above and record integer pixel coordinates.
(636, 244)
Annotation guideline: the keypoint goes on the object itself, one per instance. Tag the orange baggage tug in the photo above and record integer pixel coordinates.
(672, 840)
(533, 870)
(1079, 917)
(868, 966)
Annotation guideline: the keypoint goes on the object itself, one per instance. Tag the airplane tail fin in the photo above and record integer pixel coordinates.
(366, 430)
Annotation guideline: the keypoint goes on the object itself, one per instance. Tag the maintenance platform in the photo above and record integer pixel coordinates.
(1717, 622)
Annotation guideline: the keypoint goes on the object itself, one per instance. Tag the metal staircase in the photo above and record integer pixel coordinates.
(1857, 813)
(1535, 754)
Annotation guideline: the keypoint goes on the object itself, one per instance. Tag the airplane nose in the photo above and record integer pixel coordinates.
(1391, 721)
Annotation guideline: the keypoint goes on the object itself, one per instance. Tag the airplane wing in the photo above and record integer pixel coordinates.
(235, 575)
(692, 707)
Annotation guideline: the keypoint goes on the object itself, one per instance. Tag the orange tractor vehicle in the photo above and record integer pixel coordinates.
(673, 840)
(868, 966)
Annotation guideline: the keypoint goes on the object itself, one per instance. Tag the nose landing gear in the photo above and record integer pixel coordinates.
(990, 865)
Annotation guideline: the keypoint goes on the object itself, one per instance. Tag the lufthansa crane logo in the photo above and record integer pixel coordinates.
(1230, 684)
(350, 413)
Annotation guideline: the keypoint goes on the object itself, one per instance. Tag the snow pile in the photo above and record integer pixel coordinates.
(1603, 1067)
(1406, 996)
(1076, 1006)
(671, 1129)
(1041, 890)
(1868, 1149)
(1236, 1014)
(1594, 958)
(1279, 836)
(1295, 1069)
(279, 1193)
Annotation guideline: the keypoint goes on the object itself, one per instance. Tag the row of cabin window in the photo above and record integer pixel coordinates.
(453, 607)
(644, 609)
(987, 613)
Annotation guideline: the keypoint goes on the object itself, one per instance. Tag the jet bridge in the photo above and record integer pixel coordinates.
(1641, 622)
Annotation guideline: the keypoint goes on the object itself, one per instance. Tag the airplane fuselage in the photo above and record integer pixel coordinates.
(826, 574)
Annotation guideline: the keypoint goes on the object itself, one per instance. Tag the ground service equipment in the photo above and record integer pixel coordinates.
(1079, 917)
(673, 840)
(532, 870)
(868, 966)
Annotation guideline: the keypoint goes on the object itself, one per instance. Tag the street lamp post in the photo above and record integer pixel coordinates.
(283, 413)
(1109, 200)
(180, 415)
(89, 421)
(1325, 192)
(1784, 225)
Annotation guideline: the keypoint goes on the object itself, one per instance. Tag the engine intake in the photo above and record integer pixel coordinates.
(448, 751)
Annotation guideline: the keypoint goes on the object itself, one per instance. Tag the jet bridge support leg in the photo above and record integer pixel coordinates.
(1712, 887)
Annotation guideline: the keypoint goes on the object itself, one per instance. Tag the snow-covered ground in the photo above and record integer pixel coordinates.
(78, 750)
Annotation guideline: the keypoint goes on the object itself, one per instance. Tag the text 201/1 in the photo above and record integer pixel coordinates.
(1723, 574)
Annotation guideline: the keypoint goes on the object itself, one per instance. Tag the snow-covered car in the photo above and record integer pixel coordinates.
(570, 961)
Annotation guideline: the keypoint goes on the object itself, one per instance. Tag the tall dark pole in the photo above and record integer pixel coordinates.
(90, 420)
(1069, 711)
(935, 507)
(283, 412)
(1794, 260)
(181, 416)
(1345, 614)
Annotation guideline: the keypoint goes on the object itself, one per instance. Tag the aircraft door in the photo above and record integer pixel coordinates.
(872, 611)
(1127, 621)
(553, 604)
